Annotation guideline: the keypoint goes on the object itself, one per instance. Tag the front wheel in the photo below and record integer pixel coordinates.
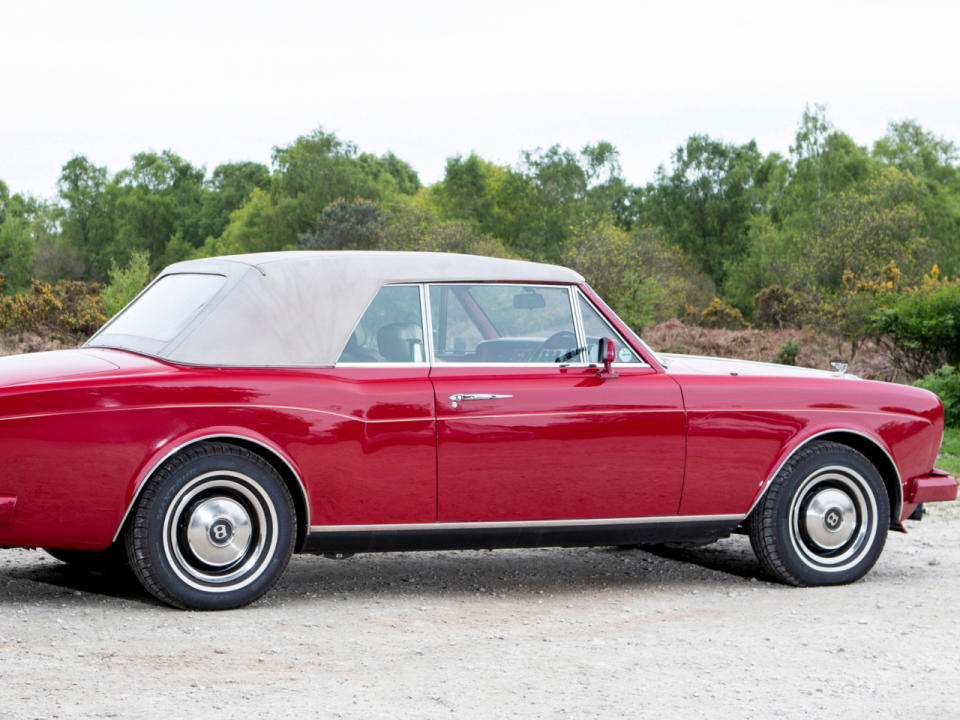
(214, 529)
(824, 519)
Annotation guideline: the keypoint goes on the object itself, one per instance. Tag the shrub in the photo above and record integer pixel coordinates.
(945, 382)
(67, 307)
(779, 307)
(921, 327)
(126, 282)
(787, 354)
(720, 315)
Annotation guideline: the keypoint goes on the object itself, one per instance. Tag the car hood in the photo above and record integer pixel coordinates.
(701, 365)
(66, 364)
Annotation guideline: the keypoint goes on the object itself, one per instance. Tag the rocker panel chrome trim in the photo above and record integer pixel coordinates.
(665, 519)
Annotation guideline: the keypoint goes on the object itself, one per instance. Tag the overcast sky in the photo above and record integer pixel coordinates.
(227, 81)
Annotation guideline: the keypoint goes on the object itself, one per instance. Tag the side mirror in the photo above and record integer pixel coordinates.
(607, 354)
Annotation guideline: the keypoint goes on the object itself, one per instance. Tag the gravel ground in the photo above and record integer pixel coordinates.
(576, 633)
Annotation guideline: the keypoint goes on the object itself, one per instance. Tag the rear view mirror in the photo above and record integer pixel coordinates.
(529, 301)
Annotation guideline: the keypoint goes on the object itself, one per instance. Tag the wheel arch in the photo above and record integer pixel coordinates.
(284, 466)
(870, 447)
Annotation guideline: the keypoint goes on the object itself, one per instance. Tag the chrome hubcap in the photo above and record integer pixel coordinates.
(218, 531)
(830, 518)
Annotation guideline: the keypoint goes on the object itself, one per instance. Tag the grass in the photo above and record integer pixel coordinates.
(949, 458)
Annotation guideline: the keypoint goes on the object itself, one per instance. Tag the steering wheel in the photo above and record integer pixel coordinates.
(556, 348)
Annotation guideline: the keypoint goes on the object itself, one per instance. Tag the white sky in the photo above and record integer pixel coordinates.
(226, 81)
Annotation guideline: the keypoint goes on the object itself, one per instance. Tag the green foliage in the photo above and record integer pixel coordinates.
(644, 278)
(317, 169)
(719, 314)
(16, 251)
(787, 354)
(921, 327)
(153, 200)
(945, 382)
(780, 307)
(88, 222)
(55, 259)
(228, 188)
(705, 202)
(343, 225)
(66, 307)
(126, 282)
(949, 457)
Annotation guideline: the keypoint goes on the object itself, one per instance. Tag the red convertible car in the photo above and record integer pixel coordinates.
(244, 408)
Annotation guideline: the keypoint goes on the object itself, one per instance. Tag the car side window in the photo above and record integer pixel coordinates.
(391, 329)
(596, 327)
(500, 323)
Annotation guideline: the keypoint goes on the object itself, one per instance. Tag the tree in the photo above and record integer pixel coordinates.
(356, 225)
(643, 277)
(911, 149)
(126, 282)
(318, 168)
(228, 188)
(87, 223)
(158, 196)
(705, 202)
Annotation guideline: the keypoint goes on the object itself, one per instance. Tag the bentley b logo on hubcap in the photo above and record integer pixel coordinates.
(833, 520)
(221, 532)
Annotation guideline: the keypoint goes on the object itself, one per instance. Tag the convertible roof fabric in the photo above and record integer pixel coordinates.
(297, 309)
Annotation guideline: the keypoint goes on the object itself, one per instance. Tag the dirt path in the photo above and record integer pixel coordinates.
(510, 634)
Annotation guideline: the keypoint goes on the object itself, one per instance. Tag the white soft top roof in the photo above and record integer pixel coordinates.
(298, 308)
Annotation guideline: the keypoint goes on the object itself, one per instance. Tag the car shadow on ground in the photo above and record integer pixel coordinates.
(72, 580)
(518, 572)
(501, 572)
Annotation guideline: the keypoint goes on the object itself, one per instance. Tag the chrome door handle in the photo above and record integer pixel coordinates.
(460, 397)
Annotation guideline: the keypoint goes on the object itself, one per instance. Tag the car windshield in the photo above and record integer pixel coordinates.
(166, 307)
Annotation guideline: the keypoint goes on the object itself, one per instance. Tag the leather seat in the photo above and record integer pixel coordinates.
(397, 341)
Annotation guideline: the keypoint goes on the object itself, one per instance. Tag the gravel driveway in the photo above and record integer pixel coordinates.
(577, 633)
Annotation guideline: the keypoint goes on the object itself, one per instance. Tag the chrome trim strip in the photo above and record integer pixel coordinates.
(769, 481)
(426, 325)
(183, 406)
(581, 335)
(506, 524)
(564, 413)
(213, 436)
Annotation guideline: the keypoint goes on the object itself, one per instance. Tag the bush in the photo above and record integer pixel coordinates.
(126, 282)
(779, 307)
(945, 382)
(720, 315)
(67, 307)
(787, 354)
(921, 328)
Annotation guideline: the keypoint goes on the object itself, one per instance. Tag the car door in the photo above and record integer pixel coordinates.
(375, 454)
(526, 428)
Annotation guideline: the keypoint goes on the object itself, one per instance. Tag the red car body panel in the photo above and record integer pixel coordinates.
(746, 427)
(541, 453)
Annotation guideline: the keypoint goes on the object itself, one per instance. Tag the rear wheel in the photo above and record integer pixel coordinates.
(824, 519)
(214, 529)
